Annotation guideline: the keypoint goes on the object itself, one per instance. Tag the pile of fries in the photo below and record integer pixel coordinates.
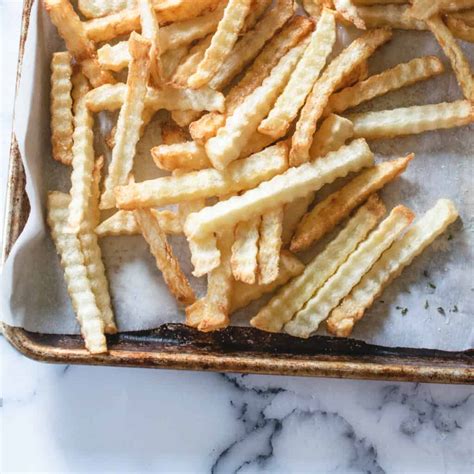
(255, 94)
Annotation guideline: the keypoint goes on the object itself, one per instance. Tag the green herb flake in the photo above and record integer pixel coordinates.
(381, 301)
(427, 305)
(441, 311)
(426, 274)
(450, 237)
(455, 309)
(432, 285)
(398, 307)
(404, 311)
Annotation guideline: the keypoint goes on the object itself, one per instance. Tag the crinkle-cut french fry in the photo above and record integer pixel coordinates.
(359, 73)
(302, 79)
(61, 108)
(390, 16)
(257, 142)
(252, 42)
(332, 210)
(412, 120)
(170, 61)
(93, 255)
(349, 12)
(404, 74)
(111, 97)
(466, 16)
(190, 62)
(79, 45)
(128, 20)
(165, 259)
(378, 2)
(124, 223)
(451, 49)
(130, 119)
(99, 8)
(359, 262)
(114, 57)
(351, 57)
(222, 42)
(151, 32)
(312, 7)
(171, 134)
(284, 188)
(291, 298)
(331, 135)
(269, 245)
(460, 29)
(188, 156)
(243, 294)
(389, 266)
(212, 312)
(227, 145)
(425, 9)
(184, 117)
(293, 213)
(82, 155)
(75, 274)
(244, 251)
(257, 9)
(291, 34)
(238, 176)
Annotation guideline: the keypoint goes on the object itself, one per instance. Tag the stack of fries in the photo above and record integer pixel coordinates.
(254, 131)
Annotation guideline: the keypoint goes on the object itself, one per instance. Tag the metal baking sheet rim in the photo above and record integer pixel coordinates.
(176, 347)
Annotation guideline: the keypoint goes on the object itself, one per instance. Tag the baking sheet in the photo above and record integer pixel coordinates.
(436, 289)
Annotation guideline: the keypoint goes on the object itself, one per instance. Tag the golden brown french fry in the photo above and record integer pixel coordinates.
(454, 53)
(404, 74)
(302, 79)
(124, 223)
(188, 156)
(206, 127)
(61, 108)
(130, 119)
(292, 297)
(227, 145)
(331, 135)
(466, 16)
(222, 42)
(348, 11)
(360, 73)
(389, 266)
(244, 251)
(171, 134)
(75, 273)
(211, 313)
(293, 213)
(165, 259)
(359, 262)
(99, 8)
(184, 117)
(354, 54)
(257, 9)
(284, 188)
(333, 209)
(378, 2)
(313, 8)
(79, 45)
(243, 174)
(425, 9)
(243, 294)
(390, 16)
(269, 246)
(460, 29)
(412, 120)
(151, 32)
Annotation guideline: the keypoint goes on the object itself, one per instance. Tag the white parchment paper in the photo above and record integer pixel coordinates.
(437, 290)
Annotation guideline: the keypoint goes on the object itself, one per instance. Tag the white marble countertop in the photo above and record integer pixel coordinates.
(89, 419)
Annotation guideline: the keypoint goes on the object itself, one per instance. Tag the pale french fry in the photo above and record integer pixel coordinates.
(390, 16)
(257, 142)
(124, 223)
(82, 155)
(293, 213)
(332, 210)
(171, 134)
(354, 54)
(188, 156)
(184, 117)
(222, 42)
(227, 145)
(151, 32)
(171, 59)
(301, 82)
(425, 9)
(460, 29)
(130, 119)
(212, 312)
(116, 24)
(244, 251)
(61, 108)
(111, 97)
(348, 11)
(412, 120)
(257, 9)
(454, 53)
(79, 45)
(269, 246)
(392, 262)
(99, 8)
(331, 135)
(165, 259)
(206, 127)
(284, 188)
(404, 74)
(238, 176)
(243, 294)
(93, 255)
(291, 298)
(359, 262)
(359, 73)
(114, 57)
(378, 2)
(252, 42)
(75, 274)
